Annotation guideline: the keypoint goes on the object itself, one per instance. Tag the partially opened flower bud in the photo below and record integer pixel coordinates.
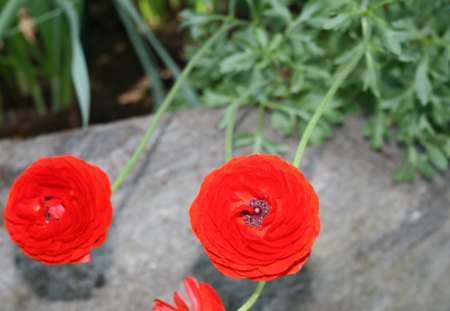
(203, 298)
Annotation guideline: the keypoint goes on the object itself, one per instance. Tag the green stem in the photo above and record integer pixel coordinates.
(231, 119)
(253, 298)
(232, 8)
(229, 131)
(316, 117)
(259, 130)
(234, 107)
(165, 105)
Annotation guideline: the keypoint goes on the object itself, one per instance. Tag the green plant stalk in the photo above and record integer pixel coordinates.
(165, 105)
(253, 298)
(259, 130)
(230, 128)
(231, 121)
(330, 93)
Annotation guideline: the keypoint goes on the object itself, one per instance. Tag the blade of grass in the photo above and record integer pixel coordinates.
(129, 8)
(145, 57)
(50, 33)
(25, 72)
(79, 68)
(56, 63)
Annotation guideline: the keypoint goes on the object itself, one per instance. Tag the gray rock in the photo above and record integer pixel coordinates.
(382, 246)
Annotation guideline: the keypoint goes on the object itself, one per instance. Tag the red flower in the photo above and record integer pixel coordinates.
(59, 209)
(257, 217)
(203, 298)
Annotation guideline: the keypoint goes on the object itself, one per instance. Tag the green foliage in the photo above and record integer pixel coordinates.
(36, 53)
(289, 52)
(46, 54)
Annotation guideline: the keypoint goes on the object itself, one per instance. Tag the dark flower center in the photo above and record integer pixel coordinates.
(260, 210)
(53, 209)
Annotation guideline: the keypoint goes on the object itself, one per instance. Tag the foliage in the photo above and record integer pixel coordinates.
(41, 50)
(285, 55)
(44, 46)
(31, 52)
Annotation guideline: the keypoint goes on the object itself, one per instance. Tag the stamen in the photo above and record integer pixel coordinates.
(260, 210)
(54, 209)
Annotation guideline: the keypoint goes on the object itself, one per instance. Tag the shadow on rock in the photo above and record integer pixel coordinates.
(287, 293)
(65, 282)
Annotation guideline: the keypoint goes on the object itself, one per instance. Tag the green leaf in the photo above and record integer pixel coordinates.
(238, 62)
(80, 75)
(377, 129)
(283, 121)
(371, 77)
(437, 157)
(393, 42)
(405, 172)
(262, 37)
(348, 55)
(426, 169)
(191, 18)
(146, 58)
(274, 147)
(336, 22)
(243, 139)
(276, 42)
(213, 99)
(422, 84)
(334, 116)
(279, 10)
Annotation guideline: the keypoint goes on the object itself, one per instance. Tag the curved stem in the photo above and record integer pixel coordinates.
(165, 104)
(229, 130)
(316, 117)
(231, 118)
(259, 130)
(253, 298)
(234, 107)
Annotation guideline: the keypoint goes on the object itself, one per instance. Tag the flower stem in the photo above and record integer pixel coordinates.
(231, 120)
(259, 130)
(165, 105)
(253, 298)
(316, 117)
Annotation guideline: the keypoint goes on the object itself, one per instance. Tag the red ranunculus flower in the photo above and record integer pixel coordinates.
(257, 217)
(203, 298)
(58, 209)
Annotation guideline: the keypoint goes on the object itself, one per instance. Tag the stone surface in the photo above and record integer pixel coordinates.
(382, 246)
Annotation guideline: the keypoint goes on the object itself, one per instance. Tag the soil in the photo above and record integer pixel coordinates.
(119, 88)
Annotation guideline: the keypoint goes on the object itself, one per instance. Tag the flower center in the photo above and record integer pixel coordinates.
(260, 210)
(53, 209)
